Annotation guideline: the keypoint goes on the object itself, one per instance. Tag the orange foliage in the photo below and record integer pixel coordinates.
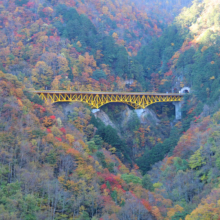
(146, 205)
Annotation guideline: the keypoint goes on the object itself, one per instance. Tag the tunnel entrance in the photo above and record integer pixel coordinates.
(185, 90)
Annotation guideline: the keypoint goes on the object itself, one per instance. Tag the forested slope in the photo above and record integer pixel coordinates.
(75, 44)
(187, 54)
(56, 167)
(190, 177)
(73, 166)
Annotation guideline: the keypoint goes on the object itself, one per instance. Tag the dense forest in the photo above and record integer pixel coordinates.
(64, 162)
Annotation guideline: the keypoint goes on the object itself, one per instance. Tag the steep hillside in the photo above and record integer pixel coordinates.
(169, 8)
(84, 45)
(68, 164)
(190, 177)
(140, 132)
(77, 45)
(54, 167)
(187, 54)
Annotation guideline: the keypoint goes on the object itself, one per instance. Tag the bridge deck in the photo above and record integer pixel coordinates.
(97, 99)
(106, 93)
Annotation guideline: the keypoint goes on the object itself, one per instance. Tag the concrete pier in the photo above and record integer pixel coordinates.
(178, 113)
(139, 112)
(95, 110)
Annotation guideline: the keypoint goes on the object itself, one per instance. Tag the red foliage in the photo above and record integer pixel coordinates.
(132, 193)
(48, 130)
(111, 78)
(196, 118)
(53, 117)
(146, 205)
(30, 4)
(168, 73)
(112, 179)
(73, 152)
(63, 130)
(103, 81)
(103, 186)
(59, 139)
(36, 106)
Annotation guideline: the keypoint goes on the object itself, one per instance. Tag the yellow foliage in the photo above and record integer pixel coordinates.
(50, 9)
(163, 81)
(61, 179)
(112, 150)
(55, 83)
(79, 44)
(115, 35)
(204, 48)
(81, 59)
(156, 213)
(2, 74)
(63, 64)
(56, 132)
(20, 103)
(41, 73)
(105, 10)
(121, 42)
(124, 169)
(47, 121)
(49, 137)
(157, 185)
(176, 55)
(173, 210)
(70, 138)
(19, 92)
(75, 71)
(105, 192)
(20, 44)
(99, 54)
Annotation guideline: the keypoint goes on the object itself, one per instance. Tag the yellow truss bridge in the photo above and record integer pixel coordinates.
(97, 99)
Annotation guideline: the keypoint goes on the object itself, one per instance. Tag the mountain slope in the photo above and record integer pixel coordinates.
(54, 167)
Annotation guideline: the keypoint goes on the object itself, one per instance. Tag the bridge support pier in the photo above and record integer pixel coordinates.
(139, 112)
(95, 110)
(178, 113)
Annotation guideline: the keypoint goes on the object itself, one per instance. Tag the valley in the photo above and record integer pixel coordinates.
(60, 159)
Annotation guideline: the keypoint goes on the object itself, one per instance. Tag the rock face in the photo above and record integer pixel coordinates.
(104, 118)
(67, 107)
(146, 116)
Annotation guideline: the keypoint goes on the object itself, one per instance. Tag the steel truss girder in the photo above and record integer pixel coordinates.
(98, 100)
